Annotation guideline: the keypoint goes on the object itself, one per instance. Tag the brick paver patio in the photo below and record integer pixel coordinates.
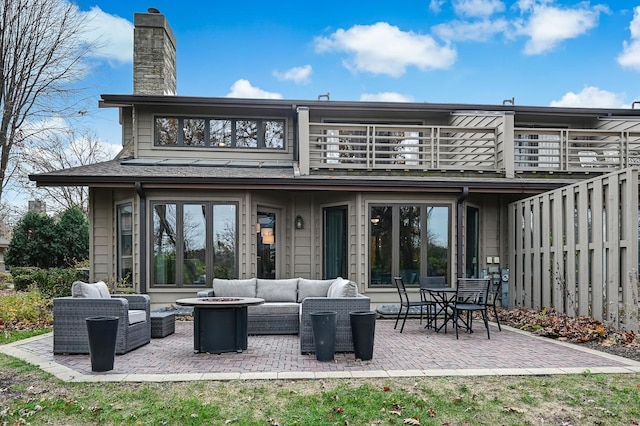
(415, 352)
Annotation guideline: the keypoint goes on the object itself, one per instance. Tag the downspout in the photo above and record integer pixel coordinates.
(143, 237)
(459, 231)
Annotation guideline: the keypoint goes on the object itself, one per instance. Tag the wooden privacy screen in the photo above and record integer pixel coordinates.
(575, 249)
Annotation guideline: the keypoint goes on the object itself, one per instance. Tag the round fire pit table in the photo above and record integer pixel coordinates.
(220, 323)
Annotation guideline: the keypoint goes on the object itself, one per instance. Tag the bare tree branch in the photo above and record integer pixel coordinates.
(56, 150)
(41, 57)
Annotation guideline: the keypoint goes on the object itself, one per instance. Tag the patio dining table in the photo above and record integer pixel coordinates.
(444, 297)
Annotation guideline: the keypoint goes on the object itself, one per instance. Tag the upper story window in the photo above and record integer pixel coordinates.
(220, 132)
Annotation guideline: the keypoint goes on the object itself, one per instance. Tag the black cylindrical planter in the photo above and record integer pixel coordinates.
(102, 333)
(323, 325)
(363, 328)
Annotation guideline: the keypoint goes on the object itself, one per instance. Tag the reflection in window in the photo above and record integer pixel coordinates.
(381, 245)
(124, 213)
(220, 133)
(246, 134)
(437, 241)
(164, 244)
(193, 132)
(224, 241)
(408, 241)
(194, 232)
(273, 132)
(166, 131)
(183, 253)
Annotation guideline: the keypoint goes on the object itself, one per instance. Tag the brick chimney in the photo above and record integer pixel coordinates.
(154, 55)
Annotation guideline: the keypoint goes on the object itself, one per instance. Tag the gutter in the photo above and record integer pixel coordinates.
(143, 237)
(459, 231)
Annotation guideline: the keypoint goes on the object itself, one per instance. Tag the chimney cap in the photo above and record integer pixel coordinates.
(153, 10)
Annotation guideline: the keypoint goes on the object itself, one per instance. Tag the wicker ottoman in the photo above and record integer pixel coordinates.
(162, 323)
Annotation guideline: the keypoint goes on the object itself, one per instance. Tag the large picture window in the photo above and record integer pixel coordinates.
(220, 132)
(193, 241)
(408, 241)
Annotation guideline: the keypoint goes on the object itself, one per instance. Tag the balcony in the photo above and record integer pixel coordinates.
(468, 149)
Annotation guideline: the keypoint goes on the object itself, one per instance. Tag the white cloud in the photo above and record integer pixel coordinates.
(548, 25)
(481, 30)
(385, 49)
(299, 75)
(436, 5)
(114, 35)
(476, 8)
(243, 89)
(385, 97)
(630, 56)
(591, 97)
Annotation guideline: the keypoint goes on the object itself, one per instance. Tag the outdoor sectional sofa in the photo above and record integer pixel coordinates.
(289, 302)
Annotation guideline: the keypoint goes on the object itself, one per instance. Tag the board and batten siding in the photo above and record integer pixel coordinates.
(101, 233)
(575, 249)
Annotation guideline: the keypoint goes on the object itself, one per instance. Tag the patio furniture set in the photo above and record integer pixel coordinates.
(230, 308)
(455, 305)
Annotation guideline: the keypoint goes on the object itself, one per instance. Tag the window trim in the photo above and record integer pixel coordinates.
(395, 205)
(119, 256)
(260, 122)
(209, 240)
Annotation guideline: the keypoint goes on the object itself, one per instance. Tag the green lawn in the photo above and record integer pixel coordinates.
(28, 395)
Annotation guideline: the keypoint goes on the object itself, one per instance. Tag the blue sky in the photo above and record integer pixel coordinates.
(539, 52)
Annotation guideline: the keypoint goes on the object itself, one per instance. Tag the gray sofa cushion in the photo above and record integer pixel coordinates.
(97, 290)
(277, 290)
(137, 315)
(237, 288)
(274, 308)
(342, 288)
(313, 288)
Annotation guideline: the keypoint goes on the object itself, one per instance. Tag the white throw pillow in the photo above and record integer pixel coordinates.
(342, 288)
(97, 290)
(313, 288)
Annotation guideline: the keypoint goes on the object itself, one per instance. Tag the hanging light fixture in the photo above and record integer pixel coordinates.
(299, 222)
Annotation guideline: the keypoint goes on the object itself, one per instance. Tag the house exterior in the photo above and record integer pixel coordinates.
(236, 188)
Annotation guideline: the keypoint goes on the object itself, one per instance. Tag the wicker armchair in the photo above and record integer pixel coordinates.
(70, 328)
(341, 305)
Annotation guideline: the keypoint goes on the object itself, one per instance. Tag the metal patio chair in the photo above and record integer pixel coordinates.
(405, 303)
(433, 307)
(495, 290)
(471, 296)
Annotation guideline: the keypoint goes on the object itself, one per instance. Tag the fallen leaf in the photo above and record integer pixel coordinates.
(412, 421)
(431, 412)
(513, 409)
(386, 388)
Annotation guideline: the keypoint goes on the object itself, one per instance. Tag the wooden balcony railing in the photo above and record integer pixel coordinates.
(468, 148)
(574, 150)
(386, 147)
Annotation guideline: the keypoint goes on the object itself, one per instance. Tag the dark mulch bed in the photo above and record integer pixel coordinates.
(582, 331)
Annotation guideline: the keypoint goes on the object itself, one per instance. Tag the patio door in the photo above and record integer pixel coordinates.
(335, 242)
(266, 244)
